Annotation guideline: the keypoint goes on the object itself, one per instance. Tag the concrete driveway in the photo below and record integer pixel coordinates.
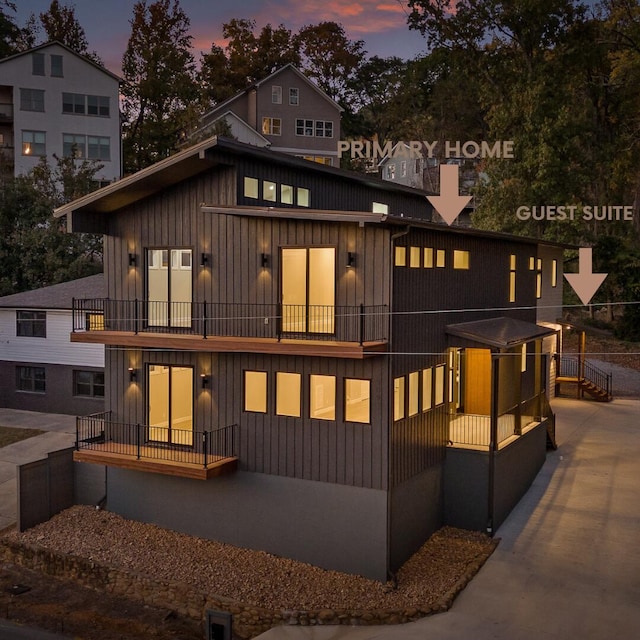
(568, 565)
(61, 433)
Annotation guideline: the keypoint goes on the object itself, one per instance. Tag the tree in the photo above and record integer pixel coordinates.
(246, 58)
(35, 251)
(329, 58)
(60, 23)
(159, 83)
(9, 31)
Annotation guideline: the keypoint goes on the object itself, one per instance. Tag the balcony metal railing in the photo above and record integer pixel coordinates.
(218, 319)
(475, 430)
(98, 432)
(581, 369)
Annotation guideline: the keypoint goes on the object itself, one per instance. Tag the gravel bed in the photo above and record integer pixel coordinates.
(256, 577)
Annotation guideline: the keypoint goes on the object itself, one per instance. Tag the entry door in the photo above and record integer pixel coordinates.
(169, 287)
(477, 387)
(170, 404)
(308, 290)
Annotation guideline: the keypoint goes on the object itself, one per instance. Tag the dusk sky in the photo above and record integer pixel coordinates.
(380, 23)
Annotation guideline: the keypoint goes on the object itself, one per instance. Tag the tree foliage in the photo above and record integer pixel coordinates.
(159, 83)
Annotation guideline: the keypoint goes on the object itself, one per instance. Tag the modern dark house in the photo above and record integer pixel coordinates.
(298, 360)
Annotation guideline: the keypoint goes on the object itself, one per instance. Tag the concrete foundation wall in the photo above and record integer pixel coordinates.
(416, 512)
(328, 525)
(466, 501)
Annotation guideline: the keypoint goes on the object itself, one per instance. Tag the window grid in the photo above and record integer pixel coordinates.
(32, 100)
(88, 383)
(31, 324)
(34, 143)
(32, 379)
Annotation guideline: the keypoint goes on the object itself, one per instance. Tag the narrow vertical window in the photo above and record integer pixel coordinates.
(523, 361)
(414, 383)
(398, 398)
(414, 257)
(37, 64)
(322, 397)
(357, 400)
(250, 187)
(56, 66)
(512, 278)
(286, 194)
(440, 258)
(401, 257)
(303, 197)
(428, 258)
(255, 391)
(554, 273)
(427, 393)
(288, 394)
(276, 94)
(439, 385)
(539, 278)
(269, 191)
(294, 96)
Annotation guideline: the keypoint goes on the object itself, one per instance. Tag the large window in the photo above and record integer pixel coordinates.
(34, 143)
(271, 126)
(357, 396)
(74, 146)
(288, 394)
(322, 393)
(317, 128)
(308, 290)
(169, 287)
(255, 391)
(99, 148)
(73, 103)
(82, 104)
(31, 379)
(88, 383)
(31, 324)
(32, 99)
(170, 404)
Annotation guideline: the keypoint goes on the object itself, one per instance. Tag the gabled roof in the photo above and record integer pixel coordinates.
(66, 48)
(230, 115)
(225, 103)
(499, 332)
(57, 296)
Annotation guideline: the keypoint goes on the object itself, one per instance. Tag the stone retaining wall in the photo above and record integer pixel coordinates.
(248, 620)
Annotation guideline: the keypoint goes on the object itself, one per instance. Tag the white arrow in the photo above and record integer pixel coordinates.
(449, 204)
(585, 283)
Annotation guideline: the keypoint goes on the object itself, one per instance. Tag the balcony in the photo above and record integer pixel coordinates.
(176, 452)
(331, 331)
(6, 112)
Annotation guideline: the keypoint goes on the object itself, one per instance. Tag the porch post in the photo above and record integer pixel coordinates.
(493, 441)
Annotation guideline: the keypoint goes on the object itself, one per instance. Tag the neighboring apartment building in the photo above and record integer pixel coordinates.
(56, 102)
(285, 111)
(40, 370)
(298, 360)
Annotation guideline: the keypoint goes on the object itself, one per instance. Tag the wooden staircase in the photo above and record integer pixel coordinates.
(587, 378)
(596, 392)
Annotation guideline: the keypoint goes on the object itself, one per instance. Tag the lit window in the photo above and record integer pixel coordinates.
(31, 324)
(554, 273)
(286, 194)
(440, 258)
(539, 278)
(276, 94)
(34, 143)
(37, 64)
(460, 259)
(88, 383)
(414, 382)
(250, 187)
(401, 257)
(532, 263)
(74, 146)
(439, 385)
(414, 257)
(56, 66)
(255, 391)
(288, 394)
(94, 322)
(322, 396)
(426, 389)
(271, 126)
(379, 207)
(303, 197)
(512, 278)
(428, 258)
(32, 99)
(269, 191)
(398, 398)
(294, 96)
(98, 148)
(523, 362)
(357, 400)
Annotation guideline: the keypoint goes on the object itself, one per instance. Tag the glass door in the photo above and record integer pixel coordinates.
(170, 404)
(169, 287)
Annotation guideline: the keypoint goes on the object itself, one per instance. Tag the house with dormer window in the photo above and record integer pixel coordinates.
(299, 360)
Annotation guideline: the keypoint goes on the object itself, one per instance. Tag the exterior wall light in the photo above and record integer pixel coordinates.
(133, 374)
(204, 260)
(351, 260)
(264, 260)
(205, 380)
(133, 259)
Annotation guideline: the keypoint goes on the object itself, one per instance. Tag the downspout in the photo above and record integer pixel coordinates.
(391, 576)
(495, 385)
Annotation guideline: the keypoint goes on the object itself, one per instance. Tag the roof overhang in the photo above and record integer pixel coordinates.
(360, 217)
(501, 333)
